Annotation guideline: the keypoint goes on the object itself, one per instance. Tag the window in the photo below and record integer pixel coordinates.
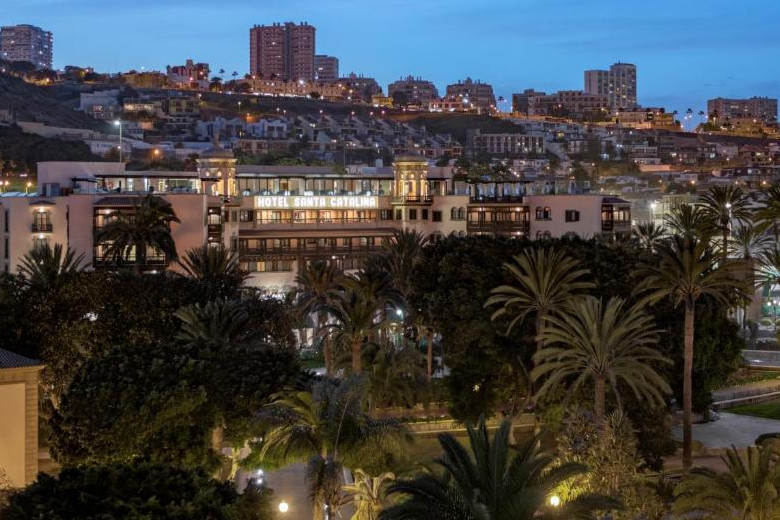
(40, 242)
(572, 215)
(399, 215)
(215, 219)
(461, 213)
(454, 214)
(412, 214)
(245, 216)
(425, 214)
(436, 216)
(543, 213)
(386, 214)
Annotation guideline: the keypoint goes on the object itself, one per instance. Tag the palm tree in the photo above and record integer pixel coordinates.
(148, 227)
(545, 280)
(749, 242)
(649, 234)
(319, 282)
(356, 312)
(690, 222)
(489, 482)
(216, 268)
(748, 490)
(722, 205)
(768, 212)
(47, 268)
(685, 270)
(606, 344)
(395, 375)
(328, 429)
(368, 494)
(219, 323)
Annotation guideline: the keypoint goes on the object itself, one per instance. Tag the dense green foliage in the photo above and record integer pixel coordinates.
(134, 492)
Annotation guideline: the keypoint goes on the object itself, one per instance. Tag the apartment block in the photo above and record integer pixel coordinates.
(26, 43)
(763, 108)
(618, 84)
(417, 91)
(472, 92)
(284, 51)
(326, 68)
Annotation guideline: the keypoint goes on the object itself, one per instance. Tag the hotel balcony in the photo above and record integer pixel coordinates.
(496, 199)
(307, 250)
(608, 226)
(42, 227)
(413, 199)
(499, 227)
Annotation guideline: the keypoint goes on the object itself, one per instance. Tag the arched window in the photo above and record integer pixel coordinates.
(454, 214)
(539, 235)
(462, 234)
(547, 234)
(547, 213)
(539, 213)
(462, 214)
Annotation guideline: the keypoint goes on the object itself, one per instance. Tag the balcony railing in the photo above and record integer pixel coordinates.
(611, 225)
(304, 250)
(42, 227)
(499, 227)
(498, 199)
(413, 199)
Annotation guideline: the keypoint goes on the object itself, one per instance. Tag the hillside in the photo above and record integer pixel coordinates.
(53, 106)
(457, 124)
(20, 152)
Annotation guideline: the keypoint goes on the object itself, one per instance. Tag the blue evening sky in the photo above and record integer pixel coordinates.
(686, 51)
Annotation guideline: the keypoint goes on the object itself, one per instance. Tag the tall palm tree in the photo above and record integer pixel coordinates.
(356, 313)
(690, 222)
(216, 268)
(649, 234)
(685, 270)
(319, 282)
(328, 429)
(490, 482)
(544, 281)
(48, 268)
(604, 343)
(748, 242)
(722, 205)
(368, 494)
(768, 212)
(148, 227)
(748, 490)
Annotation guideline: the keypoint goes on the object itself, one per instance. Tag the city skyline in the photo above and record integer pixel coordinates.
(686, 54)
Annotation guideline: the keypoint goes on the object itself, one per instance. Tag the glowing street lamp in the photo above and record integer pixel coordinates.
(118, 123)
(555, 501)
(284, 507)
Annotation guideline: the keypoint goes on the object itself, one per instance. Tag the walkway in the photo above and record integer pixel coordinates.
(739, 430)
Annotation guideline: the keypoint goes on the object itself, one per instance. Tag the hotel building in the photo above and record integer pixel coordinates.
(278, 218)
(618, 84)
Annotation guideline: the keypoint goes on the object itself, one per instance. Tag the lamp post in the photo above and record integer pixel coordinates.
(118, 123)
(27, 187)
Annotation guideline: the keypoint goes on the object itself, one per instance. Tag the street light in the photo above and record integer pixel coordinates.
(27, 187)
(118, 123)
(555, 501)
(284, 507)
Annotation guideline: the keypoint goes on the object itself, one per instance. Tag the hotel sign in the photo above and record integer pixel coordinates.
(317, 202)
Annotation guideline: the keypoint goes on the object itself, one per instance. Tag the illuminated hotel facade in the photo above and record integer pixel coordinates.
(279, 218)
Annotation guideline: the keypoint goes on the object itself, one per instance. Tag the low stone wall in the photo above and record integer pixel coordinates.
(524, 422)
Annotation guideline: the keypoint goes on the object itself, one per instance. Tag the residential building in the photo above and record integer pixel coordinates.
(565, 103)
(472, 92)
(26, 43)
(149, 79)
(762, 108)
(300, 88)
(360, 87)
(504, 144)
(618, 84)
(326, 68)
(413, 91)
(190, 75)
(284, 51)
(19, 386)
(101, 104)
